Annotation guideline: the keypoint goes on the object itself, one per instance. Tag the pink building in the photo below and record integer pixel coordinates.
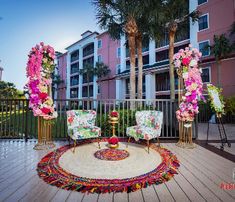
(62, 64)
(216, 18)
(109, 54)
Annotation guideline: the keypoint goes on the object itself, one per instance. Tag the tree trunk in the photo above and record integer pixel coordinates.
(171, 65)
(219, 73)
(131, 41)
(140, 65)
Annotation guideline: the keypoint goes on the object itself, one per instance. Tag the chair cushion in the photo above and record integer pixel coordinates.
(142, 132)
(85, 118)
(84, 132)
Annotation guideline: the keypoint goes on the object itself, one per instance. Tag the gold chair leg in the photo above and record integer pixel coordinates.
(129, 139)
(74, 145)
(99, 143)
(148, 145)
(158, 142)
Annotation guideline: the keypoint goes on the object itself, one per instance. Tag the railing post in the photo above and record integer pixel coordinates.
(26, 120)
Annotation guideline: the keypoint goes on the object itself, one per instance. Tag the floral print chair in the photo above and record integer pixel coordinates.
(149, 124)
(81, 125)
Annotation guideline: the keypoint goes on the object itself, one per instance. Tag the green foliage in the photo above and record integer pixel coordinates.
(221, 47)
(230, 105)
(8, 90)
(126, 119)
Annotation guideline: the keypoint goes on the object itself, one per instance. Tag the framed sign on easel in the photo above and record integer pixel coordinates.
(217, 105)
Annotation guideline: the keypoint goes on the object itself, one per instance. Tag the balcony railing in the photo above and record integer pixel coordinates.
(17, 120)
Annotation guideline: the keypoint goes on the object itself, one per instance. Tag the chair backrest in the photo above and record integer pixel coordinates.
(83, 118)
(149, 118)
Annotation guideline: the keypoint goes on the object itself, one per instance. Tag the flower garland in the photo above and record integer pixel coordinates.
(39, 68)
(216, 99)
(187, 62)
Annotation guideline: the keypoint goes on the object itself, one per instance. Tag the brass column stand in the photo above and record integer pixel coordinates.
(44, 135)
(185, 129)
(113, 121)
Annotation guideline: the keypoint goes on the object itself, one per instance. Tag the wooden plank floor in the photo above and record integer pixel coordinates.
(200, 176)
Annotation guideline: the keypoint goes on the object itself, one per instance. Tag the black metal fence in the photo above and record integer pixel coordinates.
(17, 120)
(205, 115)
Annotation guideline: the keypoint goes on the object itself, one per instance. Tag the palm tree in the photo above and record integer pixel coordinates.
(88, 71)
(166, 15)
(101, 70)
(120, 17)
(220, 49)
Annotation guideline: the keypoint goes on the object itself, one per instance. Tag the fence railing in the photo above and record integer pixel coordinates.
(17, 120)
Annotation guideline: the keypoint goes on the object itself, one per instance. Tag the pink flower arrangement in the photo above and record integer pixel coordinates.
(113, 140)
(39, 68)
(114, 114)
(187, 61)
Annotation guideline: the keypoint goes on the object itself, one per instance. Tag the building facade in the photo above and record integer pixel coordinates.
(62, 72)
(95, 47)
(109, 53)
(156, 82)
(80, 54)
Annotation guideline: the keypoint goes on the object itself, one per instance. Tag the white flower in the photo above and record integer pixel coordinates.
(185, 75)
(193, 63)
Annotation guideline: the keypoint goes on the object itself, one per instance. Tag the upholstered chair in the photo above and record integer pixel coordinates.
(149, 125)
(81, 125)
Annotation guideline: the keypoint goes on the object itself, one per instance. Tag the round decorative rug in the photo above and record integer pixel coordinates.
(82, 171)
(111, 154)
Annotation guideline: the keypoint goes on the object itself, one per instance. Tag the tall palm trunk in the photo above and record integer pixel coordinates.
(131, 30)
(140, 65)
(131, 41)
(218, 73)
(172, 31)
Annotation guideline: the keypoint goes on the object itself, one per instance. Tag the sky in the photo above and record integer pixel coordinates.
(25, 23)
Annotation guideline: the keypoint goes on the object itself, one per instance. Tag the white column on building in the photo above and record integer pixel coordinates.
(152, 55)
(193, 26)
(68, 76)
(80, 76)
(120, 89)
(150, 86)
(123, 53)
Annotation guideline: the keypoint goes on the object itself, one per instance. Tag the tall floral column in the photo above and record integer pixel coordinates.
(39, 69)
(186, 62)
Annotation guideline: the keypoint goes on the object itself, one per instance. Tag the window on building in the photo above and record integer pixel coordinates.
(128, 64)
(98, 88)
(136, 85)
(146, 60)
(206, 77)
(163, 81)
(99, 58)
(99, 43)
(118, 69)
(203, 22)
(74, 80)
(85, 91)
(74, 93)
(145, 44)
(88, 61)
(201, 2)
(204, 48)
(85, 78)
(88, 50)
(162, 55)
(74, 56)
(74, 68)
(118, 52)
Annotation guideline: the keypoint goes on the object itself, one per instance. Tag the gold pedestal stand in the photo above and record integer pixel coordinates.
(44, 135)
(185, 129)
(113, 121)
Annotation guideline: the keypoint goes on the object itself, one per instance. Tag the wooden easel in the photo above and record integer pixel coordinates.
(222, 132)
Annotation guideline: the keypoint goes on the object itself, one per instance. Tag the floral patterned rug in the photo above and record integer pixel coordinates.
(111, 154)
(82, 171)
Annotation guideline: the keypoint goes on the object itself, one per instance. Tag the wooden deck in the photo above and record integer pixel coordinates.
(200, 176)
